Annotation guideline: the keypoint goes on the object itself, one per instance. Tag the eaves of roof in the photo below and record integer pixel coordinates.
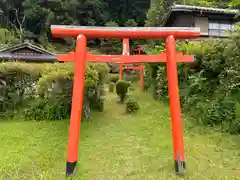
(188, 8)
(28, 45)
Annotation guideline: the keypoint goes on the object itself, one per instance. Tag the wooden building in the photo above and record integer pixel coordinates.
(27, 52)
(213, 22)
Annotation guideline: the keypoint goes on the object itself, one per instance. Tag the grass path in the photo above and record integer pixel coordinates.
(116, 146)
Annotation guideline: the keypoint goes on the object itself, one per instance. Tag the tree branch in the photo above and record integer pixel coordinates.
(23, 20)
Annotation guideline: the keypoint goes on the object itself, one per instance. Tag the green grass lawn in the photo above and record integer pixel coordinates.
(116, 146)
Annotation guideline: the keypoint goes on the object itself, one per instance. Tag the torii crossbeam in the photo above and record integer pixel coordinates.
(81, 56)
(125, 59)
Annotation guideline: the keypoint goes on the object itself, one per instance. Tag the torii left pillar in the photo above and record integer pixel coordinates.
(77, 102)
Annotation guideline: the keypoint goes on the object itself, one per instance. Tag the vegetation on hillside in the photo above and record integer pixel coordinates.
(31, 19)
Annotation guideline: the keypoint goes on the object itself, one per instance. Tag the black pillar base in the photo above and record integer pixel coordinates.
(180, 167)
(70, 168)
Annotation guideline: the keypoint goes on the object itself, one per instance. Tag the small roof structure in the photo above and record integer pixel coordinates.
(28, 45)
(27, 52)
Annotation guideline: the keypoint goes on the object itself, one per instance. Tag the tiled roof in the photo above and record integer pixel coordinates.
(34, 58)
(178, 7)
(28, 45)
(188, 8)
(44, 56)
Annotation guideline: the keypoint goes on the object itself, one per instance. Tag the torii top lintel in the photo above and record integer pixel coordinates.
(125, 32)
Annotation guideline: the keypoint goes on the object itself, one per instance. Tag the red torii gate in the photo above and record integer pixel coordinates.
(171, 57)
(126, 51)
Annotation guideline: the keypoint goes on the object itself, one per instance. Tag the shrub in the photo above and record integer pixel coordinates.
(17, 84)
(97, 103)
(108, 44)
(132, 106)
(57, 84)
(47, 109)
(234, 126)
(147, 77)
(214, 111)
(113, 78)
(147, 84)
(122, 89)
(102, 70)
(31, 86)
(111, 87)
(44, 91)
(209, 88)
(8, 38)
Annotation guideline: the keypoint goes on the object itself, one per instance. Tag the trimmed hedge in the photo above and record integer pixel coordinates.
(45, 90)
(132, 106)
(113, 78)
(122, 89)
(17, 85)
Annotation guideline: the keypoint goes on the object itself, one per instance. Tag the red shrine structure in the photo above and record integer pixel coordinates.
(171, 57)
(126, 51)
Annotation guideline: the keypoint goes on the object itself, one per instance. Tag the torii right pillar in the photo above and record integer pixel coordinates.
(175, 109)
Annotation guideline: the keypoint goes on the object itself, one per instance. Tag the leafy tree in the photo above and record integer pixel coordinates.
(133, 23)
(32, 18)
(155, 17)
(13, 12)
(112, 45)
(234, 4)
(61, 12)
(155, 13)
(7, 37)
(36, 16)
(91, 13)
(130, 23)
(122, 10)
